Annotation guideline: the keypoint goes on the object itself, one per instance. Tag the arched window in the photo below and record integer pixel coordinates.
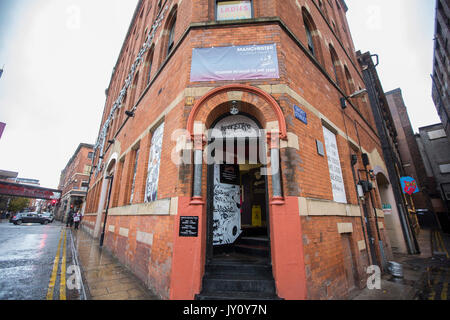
(311, 35)
(171, 29)
(148, 65)
(133, 91)
(350, 83)
(351, 87)
(336, 65)
(324, 10)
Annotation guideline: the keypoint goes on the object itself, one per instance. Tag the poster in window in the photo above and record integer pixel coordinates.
(234, 10)
(151, 189)
(227, 211)
(334, 166)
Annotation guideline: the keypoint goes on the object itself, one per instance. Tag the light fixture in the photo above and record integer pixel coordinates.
(129, 113)
(358, 93)
(353, 95)
(234, 108)
(111, 141)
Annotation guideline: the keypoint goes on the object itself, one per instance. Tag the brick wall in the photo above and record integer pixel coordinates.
(305, 80)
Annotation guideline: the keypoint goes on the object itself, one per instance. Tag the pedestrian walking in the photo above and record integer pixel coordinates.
(76, 219)
(69, 221)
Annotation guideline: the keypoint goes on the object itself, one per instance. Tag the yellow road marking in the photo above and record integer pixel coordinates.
(432, 295)
(436, 240)
(437, 277)
(444, 291)
(443, 244)
(51, 285)
(62, 285)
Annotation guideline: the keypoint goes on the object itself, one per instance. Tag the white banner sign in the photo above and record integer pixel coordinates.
(334, 165)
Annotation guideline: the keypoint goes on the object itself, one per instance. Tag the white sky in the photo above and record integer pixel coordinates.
(59, 55)
(58, 64)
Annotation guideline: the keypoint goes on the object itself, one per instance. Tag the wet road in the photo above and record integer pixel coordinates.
(33, 261)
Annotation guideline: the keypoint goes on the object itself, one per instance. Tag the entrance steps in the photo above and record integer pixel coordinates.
(243, 274)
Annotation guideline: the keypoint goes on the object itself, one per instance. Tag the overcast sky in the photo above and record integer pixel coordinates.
(59, 55)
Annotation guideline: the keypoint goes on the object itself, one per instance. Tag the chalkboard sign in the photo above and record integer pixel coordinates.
(229, 174)
(188, 226)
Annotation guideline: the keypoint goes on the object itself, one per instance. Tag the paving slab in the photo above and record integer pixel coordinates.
(105, 278)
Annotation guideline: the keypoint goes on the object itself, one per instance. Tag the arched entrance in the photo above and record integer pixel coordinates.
(238, 244)
(198, 269)
(237, 186)
(391, 214)
(106, 186)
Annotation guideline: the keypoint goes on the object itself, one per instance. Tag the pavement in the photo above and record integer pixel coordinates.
(39, 262)
(425, 276)
(104, 277)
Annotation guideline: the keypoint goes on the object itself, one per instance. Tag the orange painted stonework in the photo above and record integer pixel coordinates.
(287, 250)
(188, 254)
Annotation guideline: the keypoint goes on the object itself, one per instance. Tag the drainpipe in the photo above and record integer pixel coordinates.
(111, 178)
(387, 152)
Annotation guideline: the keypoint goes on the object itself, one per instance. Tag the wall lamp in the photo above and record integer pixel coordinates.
(129, 114)
(234, 110)
(353, 95)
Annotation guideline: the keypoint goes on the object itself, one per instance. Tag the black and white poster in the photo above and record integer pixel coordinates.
(227, 211)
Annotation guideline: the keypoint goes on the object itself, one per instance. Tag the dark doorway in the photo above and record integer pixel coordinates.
(238, 263)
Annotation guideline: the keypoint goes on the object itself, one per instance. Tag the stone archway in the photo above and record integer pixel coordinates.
(391, 214)
(110, 167)
(250, 100)
(286, 243)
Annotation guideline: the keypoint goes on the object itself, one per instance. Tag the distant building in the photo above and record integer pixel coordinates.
(434, 146)
(401, 225)
(440, 91)
(12, 177)
(74, 180)
(411, 159)
(9, 176)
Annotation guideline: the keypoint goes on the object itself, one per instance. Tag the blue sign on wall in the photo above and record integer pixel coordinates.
(300, 114)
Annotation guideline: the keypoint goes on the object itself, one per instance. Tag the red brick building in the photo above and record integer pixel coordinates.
(74, 180)
(271, 78)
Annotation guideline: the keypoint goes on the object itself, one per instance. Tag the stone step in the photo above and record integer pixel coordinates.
(238, 283)
(237, 296)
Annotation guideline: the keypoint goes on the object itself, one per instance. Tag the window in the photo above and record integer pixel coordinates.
(233, 10)
(133, 91)
(149, 65)
(136, 156)
(335, 62)
(171, 42)
(312, 36)
(90, 155)
(350, 83)
(444, 168)
(436, 134)
(151, 188)
(87, 169)
(310, 39)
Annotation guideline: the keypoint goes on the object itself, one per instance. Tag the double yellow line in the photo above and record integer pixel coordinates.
(51, 285)
(440, 243)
